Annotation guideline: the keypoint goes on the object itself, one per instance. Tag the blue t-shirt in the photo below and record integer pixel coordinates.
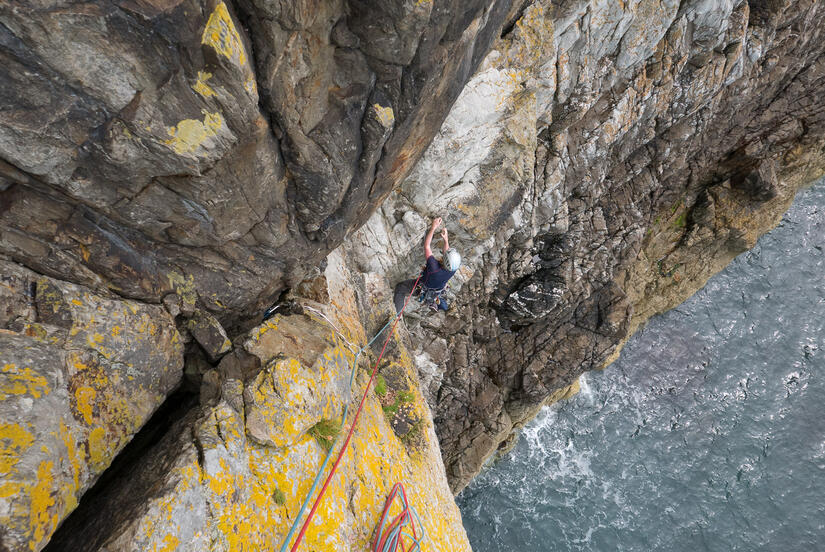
(435, 276)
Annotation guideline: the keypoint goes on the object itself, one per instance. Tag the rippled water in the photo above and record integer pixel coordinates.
(707, 434)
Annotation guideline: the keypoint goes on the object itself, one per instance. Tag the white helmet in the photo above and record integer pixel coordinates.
(453, 260)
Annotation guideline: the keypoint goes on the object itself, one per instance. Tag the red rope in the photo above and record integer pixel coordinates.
(352, 427)
(388, 538)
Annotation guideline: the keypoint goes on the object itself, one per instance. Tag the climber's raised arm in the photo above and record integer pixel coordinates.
(446, 245)
(428, 252)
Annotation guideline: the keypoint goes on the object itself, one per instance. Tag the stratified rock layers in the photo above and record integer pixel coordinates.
(163, 150)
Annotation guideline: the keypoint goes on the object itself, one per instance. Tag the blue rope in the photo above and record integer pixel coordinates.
(389, 541)
(289, 535)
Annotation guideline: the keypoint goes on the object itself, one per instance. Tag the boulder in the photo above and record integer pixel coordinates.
(209, 334)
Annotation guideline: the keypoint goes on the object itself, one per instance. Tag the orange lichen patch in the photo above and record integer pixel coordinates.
(100, 451)
(15, 380)
(42, 521)
(252, 492)
(74, 458)
(170, 543)
(222, 483)
(243, 510)
(84, 396)
(220, 34)
(246, 529)
(14, 441)
(10, 489)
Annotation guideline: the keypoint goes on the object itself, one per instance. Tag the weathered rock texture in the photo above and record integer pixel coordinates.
(80, 373)
(605, 160)
(602, 161)
(163, 150)
(232, 474)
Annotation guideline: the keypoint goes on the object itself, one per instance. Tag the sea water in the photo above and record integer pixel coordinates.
(708, 433)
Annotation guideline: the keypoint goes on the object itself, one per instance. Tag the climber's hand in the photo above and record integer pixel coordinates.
(443, 233)
(436, 223)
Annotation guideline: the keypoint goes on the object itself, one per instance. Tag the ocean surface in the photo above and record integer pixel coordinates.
(707, 434)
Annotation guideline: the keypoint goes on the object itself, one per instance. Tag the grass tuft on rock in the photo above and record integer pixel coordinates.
(325, 432)
(415, 434)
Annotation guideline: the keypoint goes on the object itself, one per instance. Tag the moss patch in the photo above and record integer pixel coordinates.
(380, 386)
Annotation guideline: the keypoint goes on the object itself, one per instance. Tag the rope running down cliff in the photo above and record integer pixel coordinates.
(349, 434)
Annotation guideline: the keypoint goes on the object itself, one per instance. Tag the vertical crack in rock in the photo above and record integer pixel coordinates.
(93, 508)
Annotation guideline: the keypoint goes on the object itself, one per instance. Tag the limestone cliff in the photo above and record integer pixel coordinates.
(170, 168)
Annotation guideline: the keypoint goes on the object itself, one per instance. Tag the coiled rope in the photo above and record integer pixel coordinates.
(390, 537)
(349, 434)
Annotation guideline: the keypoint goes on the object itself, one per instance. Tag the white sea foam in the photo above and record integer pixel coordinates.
(696, 435)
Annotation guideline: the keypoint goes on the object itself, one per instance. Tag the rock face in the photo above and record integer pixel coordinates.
(604, 161)
(164, 150)
(80, 373)
(178, 166)
(231, 475)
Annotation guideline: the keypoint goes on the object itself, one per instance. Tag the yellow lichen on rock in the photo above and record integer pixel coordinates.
(201, 87)
(41, 521)
(220, 34)
(22, 381)
(14, 440)
(71, 398)
(74, 459)
(98, 448)
(247, 473)
(190, 134)
(84, 395)
(385, 114)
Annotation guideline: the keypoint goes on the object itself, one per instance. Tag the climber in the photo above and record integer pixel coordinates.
(434, 277)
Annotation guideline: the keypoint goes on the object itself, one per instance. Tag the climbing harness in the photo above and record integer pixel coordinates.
(433, 298)
(404, 527)
(305, 525)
